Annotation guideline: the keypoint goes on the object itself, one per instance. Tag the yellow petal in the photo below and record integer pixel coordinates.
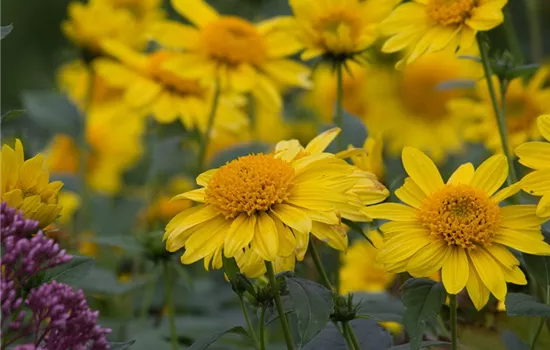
(535, 155)
(266, 238)
(204, 178)
(392, 211)
(333, 235)
(195, 195)
(544, 126)
(205, 242)
(287, 241)
(402, 249)
(543, 208)
(239, 235)
(293, 217)
(197, 12)
(462, 175)
(503, 255)
(489, 271)
(506, 192)
(491, 174)
(524, 242)
(515, 275)
(455, 271)
(322, 141)
(537, 183)
(410, 193)
(484, 18)
(478, 292)
(520, 216)
(422, 170)
(429, 259)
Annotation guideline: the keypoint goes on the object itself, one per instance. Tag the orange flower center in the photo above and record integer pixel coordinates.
(462, 215)
(522, 112)
(232, 41)
(250, 184)
(450, 12)
(170, 80)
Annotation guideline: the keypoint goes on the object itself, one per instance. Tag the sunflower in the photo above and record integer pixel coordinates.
(26, 185)
(246, 57)
(423, 26)
(151, 89)
(339, 29)
(524, 103)
(262, 207)
(536, 155)
(458, 227)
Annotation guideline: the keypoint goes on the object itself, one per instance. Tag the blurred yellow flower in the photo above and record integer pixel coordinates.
(524, 103)
(70, 202)
(163, 208)
(394, 327)
(536, 155)
(151, 89)
(26, 185)
(143, 10)
(87, 247)
(371, 159)
(360, 272)
(339, 29)
(264, 206)
(423, 26)
(458, 227)
(246, 57)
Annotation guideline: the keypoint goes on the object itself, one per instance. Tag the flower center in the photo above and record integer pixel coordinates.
(233, 41)
(462, 215)
(522, 112)
(450, 12)
(333, 25)
(170, 80)
(250, 184)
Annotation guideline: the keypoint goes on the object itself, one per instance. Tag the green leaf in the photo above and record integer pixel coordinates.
(71, 272)
(521, 71)
(230, 268)
(237, 151)
(369, 333)
(422, 299)
(204, 343)
(125, 242)
(312, 304)
(271, 312)
(519, 304)
(54, 112)
(379, 306)
(423, 344)
(5, 30)
(105, 282)
(12, 114)
(121, 345)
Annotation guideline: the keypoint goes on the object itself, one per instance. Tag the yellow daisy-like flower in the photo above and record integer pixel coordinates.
(423, 26)
(152, 89)
(246, 57)
(458, 227)
(360, 272)
(263, 207)
(338, 28)
(143, 10)
(524, 103)
(26, 185)
(536, 155)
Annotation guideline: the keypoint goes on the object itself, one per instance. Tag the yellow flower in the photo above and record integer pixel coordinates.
(371, 159)
(26, 185)
(87, 247)
(536, 155)
(360, 272)
(263, 207)
(394, 327)
(70, 202)
(338, 28)
(423, 26)
(163, 208)
(143, 10)
(151, 89)
(246, 57)
(458, 227)
(524, 103)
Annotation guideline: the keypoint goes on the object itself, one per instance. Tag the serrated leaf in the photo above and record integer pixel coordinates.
(237, 151)
(312, 303)
(423, 299)
(54, 112)
(519, 304)
(71, 272)
(369, 333)
(121, 345)
(423, 344)
(6, 30)
(204, 343)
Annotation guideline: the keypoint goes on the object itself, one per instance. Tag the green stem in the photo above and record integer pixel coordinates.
(351, 335)
(339, 117)
(168, 285)
(319, 264)
(499, 113)
(147, 298)
(511, 36)
(533, 12)
(347, 337)
(262, 328)
(280, 310)
(454, 324)
(248, 323)
(541, 322)
(206, 137)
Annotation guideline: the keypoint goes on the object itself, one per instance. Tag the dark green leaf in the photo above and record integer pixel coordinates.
(71, 272)
(121, 346)
(312, 304)
(237, 151)
(12, 114)
(519, 304)
(206, 342)
(230, 268)
(104, 282)
(422, 299)
(379, 306)
(368, 332)
(125, 242)
(6, 30)
(424, 344)
(539, 267)
(521, 71)
(271, 312)
(53, 112)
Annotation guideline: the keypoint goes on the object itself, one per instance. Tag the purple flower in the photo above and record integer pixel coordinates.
(13, 223)
(28, 347)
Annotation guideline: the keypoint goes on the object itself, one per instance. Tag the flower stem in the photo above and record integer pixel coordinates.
(262, 328)
(147, 298)
(542, 321)
(499, 112)
(248, 323)
(319, 264)
(454, 325)
(168, 285)
(348, 331)
(511, 36)
(277, 296)
(206, 137)
(533, 11)
(339, 117)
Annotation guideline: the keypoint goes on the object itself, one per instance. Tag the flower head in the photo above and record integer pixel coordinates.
(423, 26)
(244, 56)
(458, 227)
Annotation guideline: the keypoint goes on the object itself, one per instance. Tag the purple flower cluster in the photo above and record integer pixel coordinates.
(61, 318)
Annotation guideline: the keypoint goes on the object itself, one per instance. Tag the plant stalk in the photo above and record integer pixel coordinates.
(351, 334)
(454, 323)
(262, 328)
(279, 304)
(319, 264)
(206, 137)
(248, 323)
(169, 292)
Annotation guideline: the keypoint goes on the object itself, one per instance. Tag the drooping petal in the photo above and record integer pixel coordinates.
(266, 238)
(489, 271)
(478, 292)
(455, 271)
(239, 234)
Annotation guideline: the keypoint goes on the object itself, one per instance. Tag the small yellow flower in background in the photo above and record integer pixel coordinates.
(340, 29)
(263, 207)
(536, 155)
(458, 227)
(70, 202)
(152, 89)
(87, 247)
(372, 159)
(423, 26)
(163, 208)
(26, 185)
(360, 272)
(524, 103)
(246, 57)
